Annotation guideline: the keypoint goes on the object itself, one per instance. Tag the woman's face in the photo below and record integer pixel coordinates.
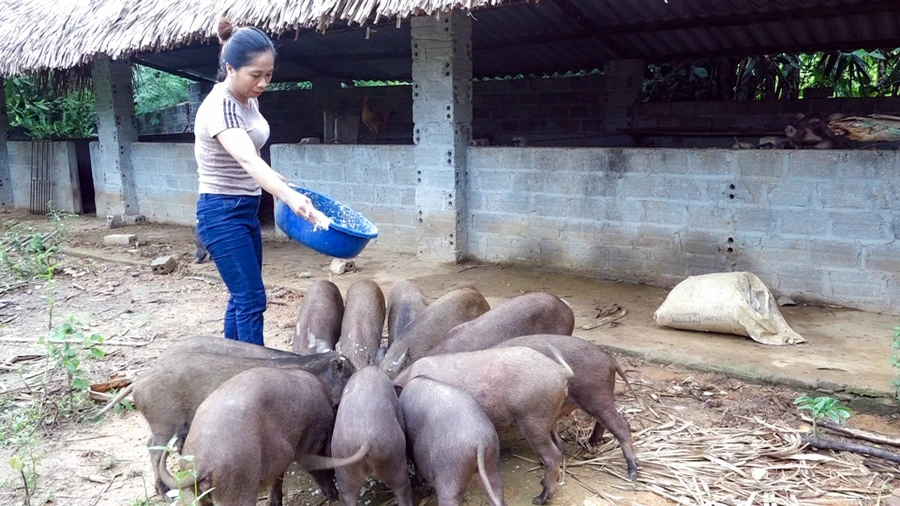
(251, 80)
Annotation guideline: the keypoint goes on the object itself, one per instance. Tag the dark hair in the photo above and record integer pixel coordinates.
(241, 45)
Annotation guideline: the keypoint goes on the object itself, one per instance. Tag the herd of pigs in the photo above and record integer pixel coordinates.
(345, 408)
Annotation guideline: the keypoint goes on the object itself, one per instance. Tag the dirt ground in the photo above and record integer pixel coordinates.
(113, 291)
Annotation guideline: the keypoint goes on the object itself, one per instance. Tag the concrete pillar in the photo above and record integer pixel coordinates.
(6, 187)
(622, 83)
(116, 193)
(442, 117)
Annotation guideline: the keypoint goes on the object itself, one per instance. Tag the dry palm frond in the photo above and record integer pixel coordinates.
(44, 35)
(762, 463)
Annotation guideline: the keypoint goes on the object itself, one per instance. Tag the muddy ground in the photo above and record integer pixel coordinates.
(113, 292)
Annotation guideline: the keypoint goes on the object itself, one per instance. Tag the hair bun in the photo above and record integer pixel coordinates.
(225, 30)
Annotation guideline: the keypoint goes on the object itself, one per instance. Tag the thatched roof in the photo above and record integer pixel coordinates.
(37, 36)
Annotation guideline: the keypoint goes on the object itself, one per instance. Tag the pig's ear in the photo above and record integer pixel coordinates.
(800, 116)
(379, 355)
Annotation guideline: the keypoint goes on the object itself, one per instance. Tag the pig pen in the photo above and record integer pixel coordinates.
(113, 290)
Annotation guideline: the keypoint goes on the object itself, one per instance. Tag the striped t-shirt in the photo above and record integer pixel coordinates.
(219, 172)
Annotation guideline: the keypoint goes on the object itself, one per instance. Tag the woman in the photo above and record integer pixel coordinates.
(229, 131)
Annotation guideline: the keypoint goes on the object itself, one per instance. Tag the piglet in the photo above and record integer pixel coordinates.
(369, 420)
(591, 388)
(319, 321)
(514, 386)
(362, 323)
(532, 313)
(451, 439)
(431, 325)
(246, 434)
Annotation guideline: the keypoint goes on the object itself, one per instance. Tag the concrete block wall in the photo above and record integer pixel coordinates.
(65, 190)
(820, 226)
(166, 183)
(177, 119)
(377, 181)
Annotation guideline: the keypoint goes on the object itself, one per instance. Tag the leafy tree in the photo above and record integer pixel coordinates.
(44, 113)
(155, 90)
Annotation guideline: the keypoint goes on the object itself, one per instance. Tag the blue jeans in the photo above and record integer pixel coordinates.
(229, 228)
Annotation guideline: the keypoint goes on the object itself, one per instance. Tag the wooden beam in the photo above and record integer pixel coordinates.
(176, 72)
(760, 50)
(735, 20)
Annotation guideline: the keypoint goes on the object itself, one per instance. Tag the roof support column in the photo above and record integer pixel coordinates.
(442, 117)
(6, 187)
(322, 88)
(114, 181)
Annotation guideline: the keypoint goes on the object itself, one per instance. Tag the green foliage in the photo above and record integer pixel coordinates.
(823, 407)
(27, 254)
(357, 83)
(180, 475)
(783, 76)
(70, 345)
(26, 468)
(895, 359)
(155, 90)
(288, 86)
(44, 113)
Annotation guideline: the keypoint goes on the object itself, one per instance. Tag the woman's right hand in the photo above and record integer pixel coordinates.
(303, 207)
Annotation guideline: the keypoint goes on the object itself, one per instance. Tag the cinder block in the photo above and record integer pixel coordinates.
(863, 226)
(824, 253)
(761, 163)
(710, 218)
(120, 239)
(846, 195)
(754, 219)
(788, 193)
(626, 211)
(817, 164)
(805, 223)
(882, 257)
(163, 265)
(712, 162)
(662, 212)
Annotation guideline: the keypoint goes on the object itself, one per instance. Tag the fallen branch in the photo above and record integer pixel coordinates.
(74, 341)
(872, 437)
(104, 490)
(827, 444)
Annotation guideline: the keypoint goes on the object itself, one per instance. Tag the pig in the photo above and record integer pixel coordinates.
(248, 431)
(369, 418)
(405, 303)
(169, 394)
(431, 325)
(532, 313)
(514, 386)
(215, 345)
(201, 254)
(591, 388)
(451, 440)
(362, 323)
(812, 131)
(319, 321)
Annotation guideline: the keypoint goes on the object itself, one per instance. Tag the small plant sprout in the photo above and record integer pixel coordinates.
(823, 407)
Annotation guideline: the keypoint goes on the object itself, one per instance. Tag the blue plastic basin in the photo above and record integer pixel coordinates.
(347, 236)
